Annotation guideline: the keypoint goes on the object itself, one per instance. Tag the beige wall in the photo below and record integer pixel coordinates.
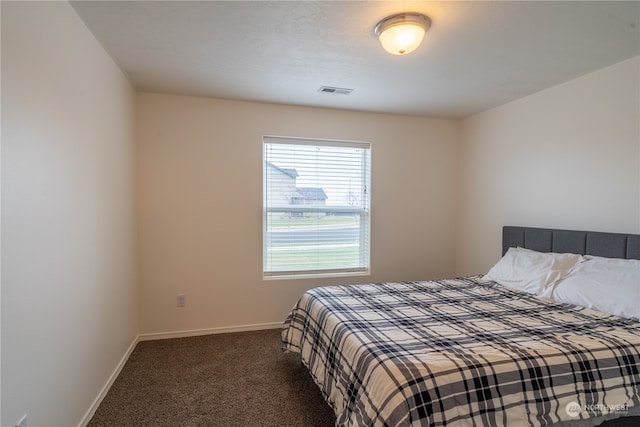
(566, 157)
(69, 308)
(200, 205)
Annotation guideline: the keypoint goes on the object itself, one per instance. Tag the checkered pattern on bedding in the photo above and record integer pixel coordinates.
(461, 352)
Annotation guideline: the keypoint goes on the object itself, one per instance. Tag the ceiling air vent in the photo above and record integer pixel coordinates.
(335, 90)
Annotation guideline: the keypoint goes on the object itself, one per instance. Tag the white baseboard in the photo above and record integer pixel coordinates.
(209, 331)
(166, 335)
(94, 406)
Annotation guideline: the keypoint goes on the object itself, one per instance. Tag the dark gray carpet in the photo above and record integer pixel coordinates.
(236, 379)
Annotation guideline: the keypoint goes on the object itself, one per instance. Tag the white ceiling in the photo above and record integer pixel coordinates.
(477, 54)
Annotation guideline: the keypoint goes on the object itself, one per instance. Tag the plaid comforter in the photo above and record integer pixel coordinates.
(462, 352)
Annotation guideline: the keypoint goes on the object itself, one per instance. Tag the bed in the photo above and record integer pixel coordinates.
(471, 352)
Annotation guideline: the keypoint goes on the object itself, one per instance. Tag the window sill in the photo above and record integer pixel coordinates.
(315, 275)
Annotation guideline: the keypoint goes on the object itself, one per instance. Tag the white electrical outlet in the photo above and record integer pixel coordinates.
(181, 302)
(22, 422)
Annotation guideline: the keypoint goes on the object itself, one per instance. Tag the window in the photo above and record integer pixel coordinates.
(316, 205)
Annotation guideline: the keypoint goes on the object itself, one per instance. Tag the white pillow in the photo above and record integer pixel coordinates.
(531, 271)
(609, 285)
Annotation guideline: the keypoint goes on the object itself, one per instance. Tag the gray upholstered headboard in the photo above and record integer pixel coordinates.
(610, 245)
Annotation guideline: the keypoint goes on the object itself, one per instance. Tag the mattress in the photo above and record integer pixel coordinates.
(463, 352)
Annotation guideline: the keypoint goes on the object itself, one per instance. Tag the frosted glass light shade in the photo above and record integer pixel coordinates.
(402, 33)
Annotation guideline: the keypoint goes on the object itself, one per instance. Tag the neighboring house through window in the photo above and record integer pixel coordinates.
(316, 207)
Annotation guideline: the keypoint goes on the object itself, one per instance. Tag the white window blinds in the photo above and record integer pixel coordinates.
(316, 205)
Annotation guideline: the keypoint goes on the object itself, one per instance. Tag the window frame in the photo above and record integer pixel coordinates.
(364, 211)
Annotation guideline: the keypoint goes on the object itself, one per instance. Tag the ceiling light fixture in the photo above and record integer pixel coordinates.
(402, 33)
